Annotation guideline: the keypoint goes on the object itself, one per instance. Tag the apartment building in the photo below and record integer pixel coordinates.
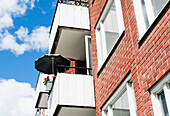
(131, 59)
(119, 56)
(72, 91)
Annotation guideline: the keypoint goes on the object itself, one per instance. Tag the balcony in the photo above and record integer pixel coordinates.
(42, 94)
(70, 26)
(72, 95)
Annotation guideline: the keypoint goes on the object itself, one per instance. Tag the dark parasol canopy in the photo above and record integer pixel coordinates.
(49, 64)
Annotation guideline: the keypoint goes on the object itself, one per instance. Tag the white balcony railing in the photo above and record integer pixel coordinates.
(72, 90)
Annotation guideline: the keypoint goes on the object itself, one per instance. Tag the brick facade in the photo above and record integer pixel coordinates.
(147, 58)
(72, 70)
(76, 63)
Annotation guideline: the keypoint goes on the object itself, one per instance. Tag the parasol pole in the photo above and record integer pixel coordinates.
(52, 58)
(53, 65)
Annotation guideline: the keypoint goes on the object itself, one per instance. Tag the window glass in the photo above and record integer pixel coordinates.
(163, 103)
(145, 13)
(106, 112)
(121, 106)
(158, 5)
(111, 28)
(121, 112)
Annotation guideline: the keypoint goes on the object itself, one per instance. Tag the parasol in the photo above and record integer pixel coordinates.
(49, 63)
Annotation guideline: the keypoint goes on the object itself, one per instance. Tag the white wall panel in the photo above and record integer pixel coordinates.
(73, 16)
(80, 93)
(88, 91)
(76, 90)
(54, 28)
(53, 98)
(63, 85)
(72, 89)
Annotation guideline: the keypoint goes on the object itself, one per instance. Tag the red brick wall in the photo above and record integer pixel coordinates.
(72, 70)
(77, 64)
(148, 64)
(151, 63)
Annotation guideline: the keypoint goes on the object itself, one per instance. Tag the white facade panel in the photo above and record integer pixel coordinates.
(40, 85)
(88, 91)
(69, 16)
(80, 93)
(54, 29)
(73, 90)
(53, 99)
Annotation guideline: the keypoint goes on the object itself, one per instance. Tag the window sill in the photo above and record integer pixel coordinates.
(111, 53)
(156, 21)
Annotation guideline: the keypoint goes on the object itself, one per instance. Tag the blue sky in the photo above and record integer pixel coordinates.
(18, 62)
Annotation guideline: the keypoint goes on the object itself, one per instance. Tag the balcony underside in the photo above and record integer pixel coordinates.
(74, 111)
(70, 42)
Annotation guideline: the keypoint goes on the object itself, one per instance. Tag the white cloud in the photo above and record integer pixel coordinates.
(37, 40)
(5, 21)
(32, 3)
(8, 42)
(13, 8)
(22, 40)
(54, 3)
(22, 33)
(42, 10)
(17, 99)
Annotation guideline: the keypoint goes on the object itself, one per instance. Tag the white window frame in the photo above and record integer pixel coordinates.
(100, 34)
(88, 55)
(140, 18)
(125, 86)
(163, 85)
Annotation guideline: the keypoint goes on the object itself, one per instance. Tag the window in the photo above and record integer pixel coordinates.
(122, 102)
(162, 100)
(158, 5)
(160, 95)
(108, 29)
(146, 11)
(121, 106)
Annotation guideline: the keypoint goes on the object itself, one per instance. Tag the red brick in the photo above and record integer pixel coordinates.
(148, 64)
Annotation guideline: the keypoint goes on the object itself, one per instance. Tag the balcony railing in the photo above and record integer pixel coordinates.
(88, 70)
(75, 2)
(74, 91)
